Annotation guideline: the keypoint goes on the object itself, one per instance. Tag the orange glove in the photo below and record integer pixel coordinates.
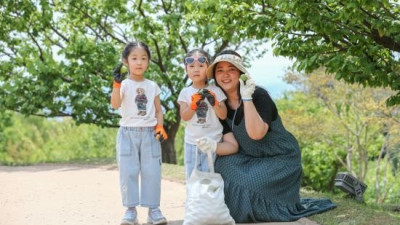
(116, 84)
(196, 98)
(160, 133)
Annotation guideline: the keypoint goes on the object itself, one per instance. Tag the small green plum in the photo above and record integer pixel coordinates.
(244, 77)
(124, 69)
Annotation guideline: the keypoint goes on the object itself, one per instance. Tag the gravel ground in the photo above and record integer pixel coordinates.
(78, 195)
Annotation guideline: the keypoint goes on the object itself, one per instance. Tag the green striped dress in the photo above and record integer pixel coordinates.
(262, 181)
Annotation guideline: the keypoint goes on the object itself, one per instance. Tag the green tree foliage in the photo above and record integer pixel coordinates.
(57, 57)
(5, 121)
(359, 41)
(344, 127)
(179, 145)
(33, 140)
(309, 121)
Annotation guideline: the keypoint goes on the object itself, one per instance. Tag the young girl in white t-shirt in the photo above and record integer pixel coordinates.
(141, 126)
(201, 107)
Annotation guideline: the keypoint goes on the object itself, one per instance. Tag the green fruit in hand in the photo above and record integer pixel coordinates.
(244, 77)
(124, 69)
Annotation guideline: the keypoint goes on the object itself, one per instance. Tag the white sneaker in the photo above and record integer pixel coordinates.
(130, 217)
(156, 217)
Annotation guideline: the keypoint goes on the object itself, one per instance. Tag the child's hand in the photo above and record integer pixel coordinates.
(160, 133)
(212, 99)
(119, 73)
(206, 144)
(196, 98)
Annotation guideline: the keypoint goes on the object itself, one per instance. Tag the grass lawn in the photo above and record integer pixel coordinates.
(351, 212)
(348, 212)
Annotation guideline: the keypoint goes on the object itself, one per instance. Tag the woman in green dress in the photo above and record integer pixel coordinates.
(262, 181)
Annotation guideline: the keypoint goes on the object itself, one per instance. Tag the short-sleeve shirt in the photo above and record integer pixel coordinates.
(204, 122)
(226, 129)
(264, 104)
(137, 106)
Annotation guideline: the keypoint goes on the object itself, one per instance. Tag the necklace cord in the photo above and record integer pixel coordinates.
(234, 115)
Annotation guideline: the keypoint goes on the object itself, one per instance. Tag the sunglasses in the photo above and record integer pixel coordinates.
(190, 60)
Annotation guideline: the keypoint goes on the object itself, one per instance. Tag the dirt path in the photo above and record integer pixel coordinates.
(77, 195)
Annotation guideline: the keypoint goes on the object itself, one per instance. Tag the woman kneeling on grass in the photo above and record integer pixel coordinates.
(262, 181)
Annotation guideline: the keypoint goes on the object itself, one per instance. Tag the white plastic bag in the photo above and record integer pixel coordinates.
(205, 204)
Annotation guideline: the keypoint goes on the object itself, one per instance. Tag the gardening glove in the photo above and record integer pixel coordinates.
(196, 98)
(247, 90)
(206, 144)
(119, 73)
(212, 99)
(160, 133)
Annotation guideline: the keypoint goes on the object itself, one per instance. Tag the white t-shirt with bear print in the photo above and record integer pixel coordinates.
(137, 106)
(204, 122)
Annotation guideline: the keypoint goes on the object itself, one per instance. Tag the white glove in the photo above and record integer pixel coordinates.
(206, 144)
(247, 90)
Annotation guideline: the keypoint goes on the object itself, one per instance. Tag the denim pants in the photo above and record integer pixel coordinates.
(190, 157)
(139, 156)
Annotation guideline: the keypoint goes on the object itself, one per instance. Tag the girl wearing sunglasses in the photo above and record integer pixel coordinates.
(201, 107)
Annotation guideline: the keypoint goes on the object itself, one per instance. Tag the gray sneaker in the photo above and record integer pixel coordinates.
(156, 217)
(130, 217)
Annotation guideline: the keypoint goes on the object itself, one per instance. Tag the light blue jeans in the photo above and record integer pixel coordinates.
(202, 160)
(139, 153)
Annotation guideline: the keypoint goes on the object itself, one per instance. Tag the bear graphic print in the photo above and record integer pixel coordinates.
(141, 101)
(201, 112)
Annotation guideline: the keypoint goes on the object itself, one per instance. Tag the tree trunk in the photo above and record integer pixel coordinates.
(168, 146)
(168, 150)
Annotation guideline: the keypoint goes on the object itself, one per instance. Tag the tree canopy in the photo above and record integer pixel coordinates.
(358, 41)
(57, 57)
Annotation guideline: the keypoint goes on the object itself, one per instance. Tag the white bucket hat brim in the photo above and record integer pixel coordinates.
(233, 59)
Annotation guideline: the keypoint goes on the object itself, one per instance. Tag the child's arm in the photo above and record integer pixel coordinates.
(159, 114)
(116, 98)
(219, 106)
(185, 111)
(220, 110)
(159, 128)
